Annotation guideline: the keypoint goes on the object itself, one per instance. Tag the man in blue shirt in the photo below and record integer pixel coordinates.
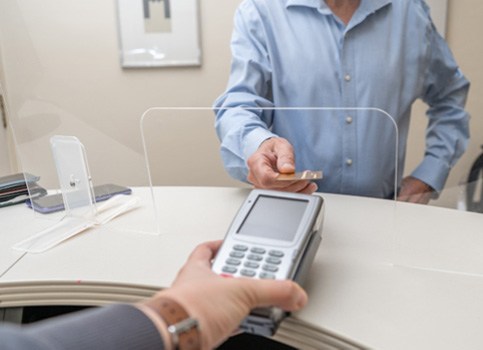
(371, 59)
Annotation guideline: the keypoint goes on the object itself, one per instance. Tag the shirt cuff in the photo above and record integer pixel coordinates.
(254, 139)
(158, 322)
(433, 172)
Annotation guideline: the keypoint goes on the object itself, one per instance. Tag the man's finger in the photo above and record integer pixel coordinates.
(310, 188)
(285, 157)
(205, 251)
(286, 294)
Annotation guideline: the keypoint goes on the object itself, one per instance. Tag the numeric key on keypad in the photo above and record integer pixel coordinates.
(254, 257)
(233, 262)
(266, 275)
(270, 268)
(247, 273)
(273, 260)
(276, 253)
(251, 264)
(237, 254)
(257, 250)
(229, 269)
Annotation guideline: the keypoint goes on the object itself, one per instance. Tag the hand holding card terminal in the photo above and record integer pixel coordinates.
(274, 235)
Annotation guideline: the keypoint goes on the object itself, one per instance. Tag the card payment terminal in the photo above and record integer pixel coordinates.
(275, 235)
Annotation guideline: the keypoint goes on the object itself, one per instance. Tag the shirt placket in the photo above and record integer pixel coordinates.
(347, 116)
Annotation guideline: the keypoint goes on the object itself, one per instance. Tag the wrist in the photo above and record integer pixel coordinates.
(159, 323)
(178, 329)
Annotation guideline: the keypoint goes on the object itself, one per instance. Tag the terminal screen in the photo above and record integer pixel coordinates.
(274, 218)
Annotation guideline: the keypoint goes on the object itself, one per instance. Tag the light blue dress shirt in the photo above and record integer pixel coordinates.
(296, 53)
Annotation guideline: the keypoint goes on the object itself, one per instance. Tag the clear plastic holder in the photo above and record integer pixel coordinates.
(74, 177)
(77, 196)
(81, 211)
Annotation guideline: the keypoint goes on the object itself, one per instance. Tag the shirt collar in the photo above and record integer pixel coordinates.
(371, 6)
(307, 3)
(368, 6)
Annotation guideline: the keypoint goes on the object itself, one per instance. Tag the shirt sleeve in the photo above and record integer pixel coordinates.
(112, 327)
(445, 92)
(244, 111)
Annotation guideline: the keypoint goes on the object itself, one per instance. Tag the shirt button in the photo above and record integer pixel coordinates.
(347, 77)
(348, 161)
(348, 119)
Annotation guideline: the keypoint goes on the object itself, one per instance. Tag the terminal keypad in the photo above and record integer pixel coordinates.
(252, 261)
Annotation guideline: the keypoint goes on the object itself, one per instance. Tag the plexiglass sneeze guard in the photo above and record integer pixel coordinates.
(182, 149)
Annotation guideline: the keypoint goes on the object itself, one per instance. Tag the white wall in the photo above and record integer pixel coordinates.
(61, 60)
(62, 65)
(439, 10)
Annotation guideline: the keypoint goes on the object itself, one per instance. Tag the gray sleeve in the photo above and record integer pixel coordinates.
(112, 327)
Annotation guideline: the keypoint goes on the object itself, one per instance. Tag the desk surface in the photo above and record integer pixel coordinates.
(362, 288)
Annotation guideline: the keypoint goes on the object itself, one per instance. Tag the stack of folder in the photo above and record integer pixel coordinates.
(17, 188)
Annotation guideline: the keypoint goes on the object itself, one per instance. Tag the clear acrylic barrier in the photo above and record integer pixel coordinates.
(182, 147)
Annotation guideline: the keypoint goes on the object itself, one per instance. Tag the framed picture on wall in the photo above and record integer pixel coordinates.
(158, 33)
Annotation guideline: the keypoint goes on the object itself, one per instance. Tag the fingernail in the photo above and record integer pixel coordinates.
(301, 300)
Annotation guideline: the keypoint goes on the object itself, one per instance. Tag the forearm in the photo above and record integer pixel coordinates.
(445, 92)
(244, 111)
(113, 327)
(447, 133)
